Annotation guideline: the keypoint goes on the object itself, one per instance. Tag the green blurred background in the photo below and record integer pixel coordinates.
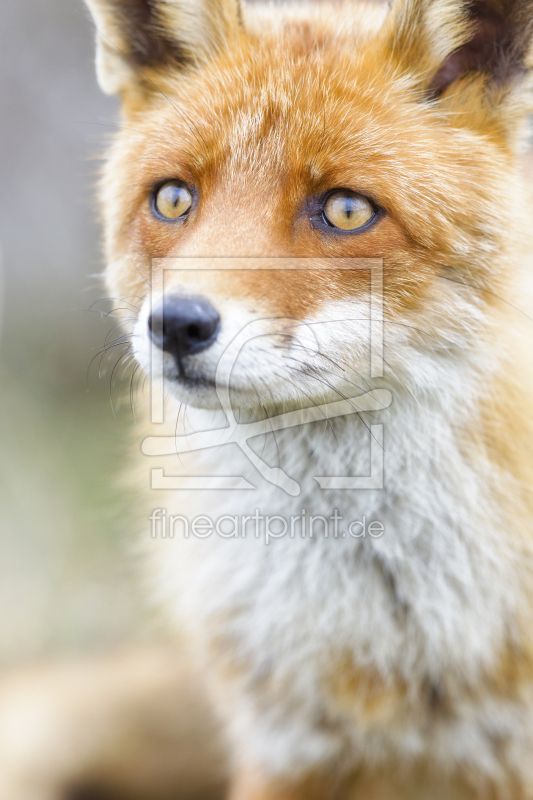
(67, 581)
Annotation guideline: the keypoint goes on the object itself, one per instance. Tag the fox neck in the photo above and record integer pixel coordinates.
(413, 459)
(438, 564)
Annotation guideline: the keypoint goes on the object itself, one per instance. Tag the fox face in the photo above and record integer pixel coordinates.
(267, 159)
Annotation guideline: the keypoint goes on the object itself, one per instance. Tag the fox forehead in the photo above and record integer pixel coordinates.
(265, 109)
(275, 102)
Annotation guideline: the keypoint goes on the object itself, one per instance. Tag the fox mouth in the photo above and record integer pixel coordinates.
(181, 377)
(199, 389)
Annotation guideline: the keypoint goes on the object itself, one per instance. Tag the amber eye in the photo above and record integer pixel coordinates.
(348, 210)
(172, 200)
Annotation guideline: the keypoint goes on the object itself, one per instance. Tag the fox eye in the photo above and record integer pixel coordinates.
(172, 200)
(348, 210)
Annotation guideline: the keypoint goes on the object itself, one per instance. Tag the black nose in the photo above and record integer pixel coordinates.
(183, 326)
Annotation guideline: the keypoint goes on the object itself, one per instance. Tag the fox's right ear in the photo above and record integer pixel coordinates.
(140, 40)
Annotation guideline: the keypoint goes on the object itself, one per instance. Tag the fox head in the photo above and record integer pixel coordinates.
(270, 156)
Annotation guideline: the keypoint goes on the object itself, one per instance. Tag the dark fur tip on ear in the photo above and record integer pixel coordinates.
(148, 42)
(498, 47)
(136, 37)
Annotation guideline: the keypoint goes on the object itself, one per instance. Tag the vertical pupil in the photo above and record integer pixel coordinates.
(176, 191)
(349, 207)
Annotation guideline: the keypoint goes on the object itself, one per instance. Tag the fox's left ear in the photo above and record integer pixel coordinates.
(475, 54)
(139, 40)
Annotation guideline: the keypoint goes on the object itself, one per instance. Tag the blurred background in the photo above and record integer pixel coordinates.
(66, 577)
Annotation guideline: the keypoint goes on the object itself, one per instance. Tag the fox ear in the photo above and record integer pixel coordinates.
(450, 44)
(138, 39)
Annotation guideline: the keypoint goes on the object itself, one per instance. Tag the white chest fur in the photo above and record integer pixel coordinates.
(428, 600)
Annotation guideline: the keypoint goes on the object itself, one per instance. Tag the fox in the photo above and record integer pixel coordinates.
(317, 219)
